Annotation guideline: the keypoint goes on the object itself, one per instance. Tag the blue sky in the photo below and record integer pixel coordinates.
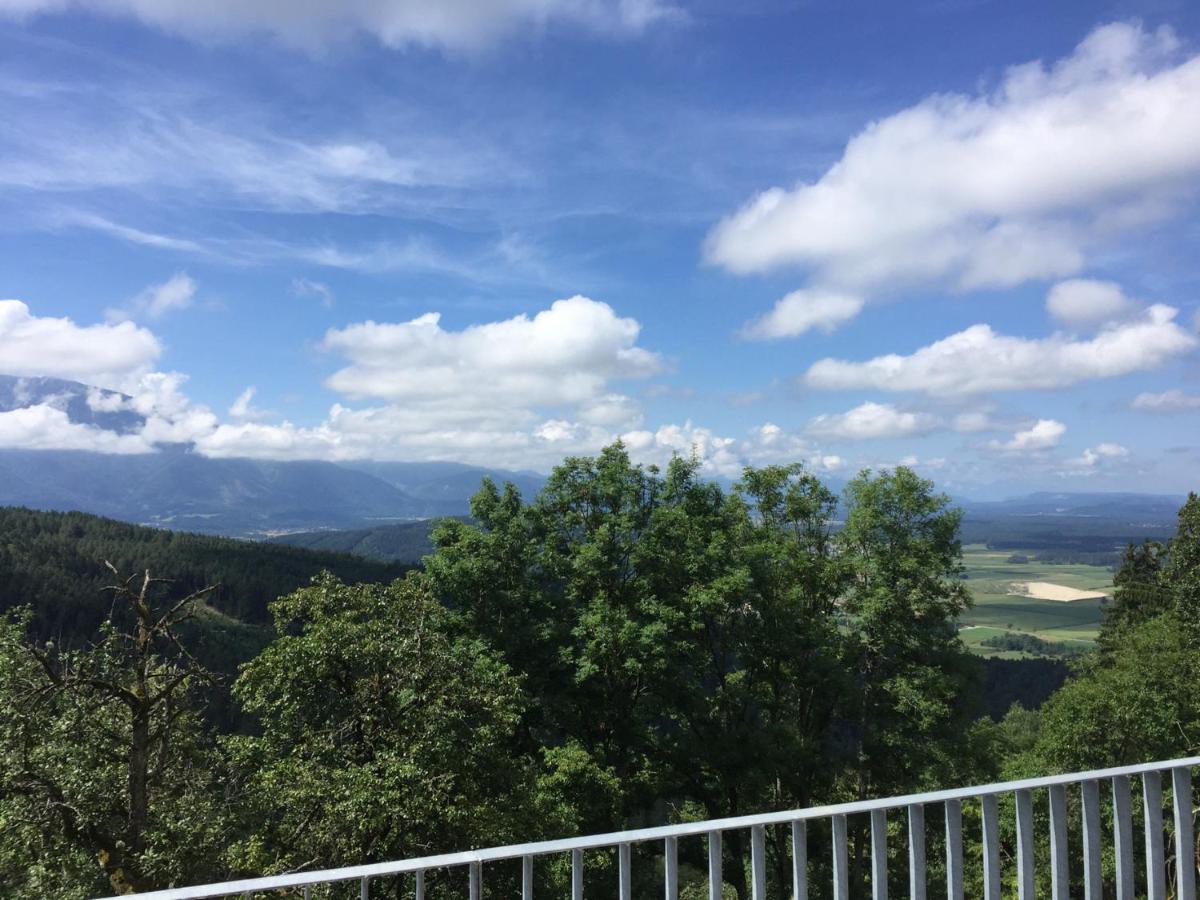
(954, 235)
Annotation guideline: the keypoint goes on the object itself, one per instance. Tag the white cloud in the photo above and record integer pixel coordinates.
(304, 287)
(566, 354)
(155, 301)
(1172, 401)
(993, 189)
(174, 147)
(106, 401)
(395, 23)
(44, 427)
(801, 311)
(978, 359)
(1084, 303)
(871, 420)
(57, 347)
(520, 392)
(84, 219)
(243, 408)
(1094, 455)
(1042, 435)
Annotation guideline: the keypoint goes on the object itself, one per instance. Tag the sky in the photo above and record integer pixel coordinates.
(957, 235)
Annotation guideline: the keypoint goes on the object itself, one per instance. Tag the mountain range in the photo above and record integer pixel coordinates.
(179, 488)
(374, 503)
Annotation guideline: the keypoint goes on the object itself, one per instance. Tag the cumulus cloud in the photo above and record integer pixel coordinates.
(1092, 456)
(395, 23)
(1084, 302)
(993, 189)
(45, 427)
(565, 354)
(522, 391)
(102, 355)
(802, 311)
(871, 420)
(978, 359)
(725, 455)
(1172, 401)
(155, 301)
(1042, 435)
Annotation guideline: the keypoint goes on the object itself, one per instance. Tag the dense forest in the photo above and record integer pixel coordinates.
(628, 646)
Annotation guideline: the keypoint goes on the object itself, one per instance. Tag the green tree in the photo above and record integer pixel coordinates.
(905, 594)
(1182, 571)
(106, 773)
(1139, 592)
(382, 734)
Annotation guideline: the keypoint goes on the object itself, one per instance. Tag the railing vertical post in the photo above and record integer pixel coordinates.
(1060, 879)
(841, 877)
(475, 880)
(626, 878)
(671, 868)
(991, 847)
(1025, 851)
(758, 863)
(1089, 792)
(576, 875)
(526, 878)
(1185, 836)
(364, 889)
(1156, 885)
(879, 882)
(954, 860)
(308, 892)
(715, 879)
(419, 892)
(916, 852)
(1123, 837)
(800, 860)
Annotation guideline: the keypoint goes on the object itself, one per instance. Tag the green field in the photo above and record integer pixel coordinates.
(989, 574)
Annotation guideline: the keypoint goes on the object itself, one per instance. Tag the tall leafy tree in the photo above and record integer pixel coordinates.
(382, 734)
(904, 595)
(106, 773)
(1182, 571)
(1139, 591)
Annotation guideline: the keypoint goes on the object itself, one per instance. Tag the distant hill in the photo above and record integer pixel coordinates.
(1084, 522)
(178, 488)
(405, 543)
(55, 562)
(445, 486)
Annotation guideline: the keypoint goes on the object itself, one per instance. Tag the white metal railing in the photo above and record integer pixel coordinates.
(1150, 774)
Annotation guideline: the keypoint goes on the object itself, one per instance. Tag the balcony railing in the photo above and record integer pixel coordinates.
(914, 807)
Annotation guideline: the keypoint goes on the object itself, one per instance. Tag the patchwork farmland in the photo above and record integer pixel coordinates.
(1007, 601)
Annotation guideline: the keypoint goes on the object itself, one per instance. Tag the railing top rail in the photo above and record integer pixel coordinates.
(597, 841)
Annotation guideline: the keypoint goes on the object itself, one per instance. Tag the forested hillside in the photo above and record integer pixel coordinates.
(54, 563)
(408, 542)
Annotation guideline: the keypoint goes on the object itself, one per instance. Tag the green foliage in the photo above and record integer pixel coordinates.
(106, 770)
(1182, 571)
(726, 650)
(630, 645)
(54, 563)
(1031, 644)
(382, 735)
(901, 544)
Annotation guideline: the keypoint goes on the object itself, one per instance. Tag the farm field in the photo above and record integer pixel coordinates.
(990, 577)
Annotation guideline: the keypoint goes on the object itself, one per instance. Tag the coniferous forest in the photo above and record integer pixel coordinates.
(628, 647)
